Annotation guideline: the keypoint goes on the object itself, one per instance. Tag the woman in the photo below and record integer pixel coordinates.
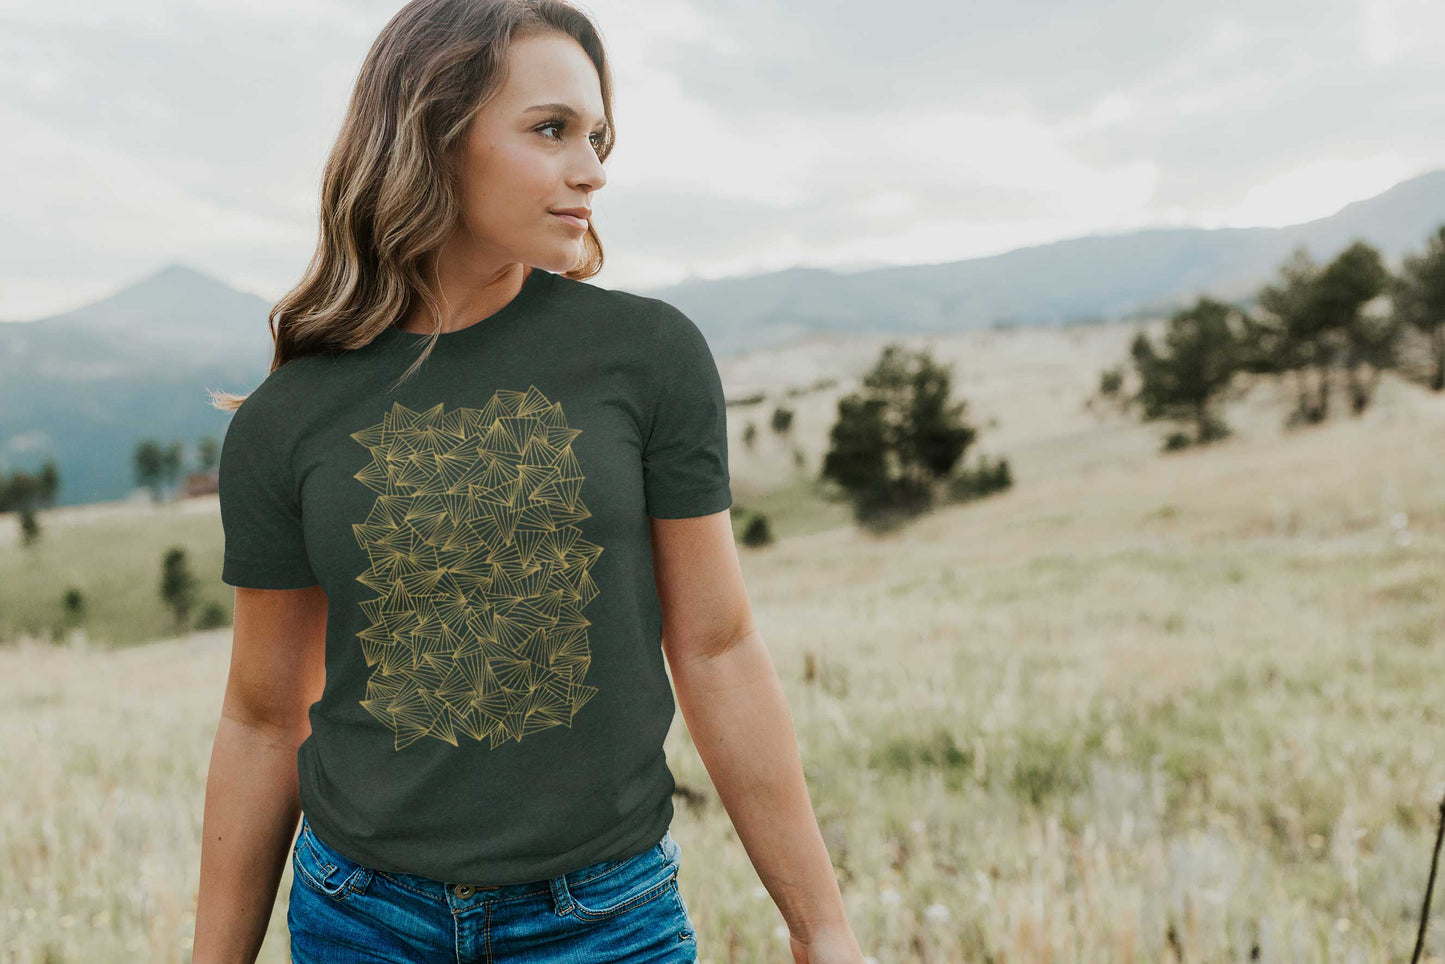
(458, 579)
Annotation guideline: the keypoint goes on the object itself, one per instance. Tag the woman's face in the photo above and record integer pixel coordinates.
(525, 156)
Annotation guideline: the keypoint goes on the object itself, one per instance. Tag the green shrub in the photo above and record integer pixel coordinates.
(757, 532)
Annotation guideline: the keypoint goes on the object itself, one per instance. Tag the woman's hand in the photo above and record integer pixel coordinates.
(829, 945)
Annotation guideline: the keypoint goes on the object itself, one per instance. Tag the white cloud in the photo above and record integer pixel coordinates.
(1115, 107)
(102, 197)
(752, 135)
(1316, 189)
(1393, 30)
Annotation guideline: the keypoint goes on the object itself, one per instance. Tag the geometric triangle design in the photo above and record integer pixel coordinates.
(479, 569)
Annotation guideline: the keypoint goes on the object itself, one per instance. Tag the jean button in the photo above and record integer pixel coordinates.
(463, 890)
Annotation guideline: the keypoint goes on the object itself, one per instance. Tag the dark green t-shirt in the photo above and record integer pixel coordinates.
(496, 696)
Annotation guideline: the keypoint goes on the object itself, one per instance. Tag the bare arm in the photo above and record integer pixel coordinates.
(278, 669)
(738, 716)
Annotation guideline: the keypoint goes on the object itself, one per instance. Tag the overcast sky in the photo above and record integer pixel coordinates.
(753, 135)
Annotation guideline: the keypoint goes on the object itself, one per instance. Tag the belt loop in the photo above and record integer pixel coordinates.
(362, 881)
(561, 896)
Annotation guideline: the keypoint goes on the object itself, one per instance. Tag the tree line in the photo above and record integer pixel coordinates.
(1322, 327)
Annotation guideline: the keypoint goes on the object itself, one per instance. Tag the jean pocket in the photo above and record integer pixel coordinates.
(616, 887)
(325, 869)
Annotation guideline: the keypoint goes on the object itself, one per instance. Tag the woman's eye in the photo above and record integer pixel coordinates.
(596, 138)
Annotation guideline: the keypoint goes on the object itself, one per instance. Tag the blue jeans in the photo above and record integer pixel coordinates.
(616, 910)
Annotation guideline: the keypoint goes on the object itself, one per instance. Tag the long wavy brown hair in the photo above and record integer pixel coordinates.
(390, 194)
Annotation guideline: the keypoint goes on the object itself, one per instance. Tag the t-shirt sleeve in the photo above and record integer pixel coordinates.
(265, 546)
(685, 459)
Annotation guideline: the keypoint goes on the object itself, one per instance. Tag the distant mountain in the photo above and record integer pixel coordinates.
(1146, 272)
(84, 386)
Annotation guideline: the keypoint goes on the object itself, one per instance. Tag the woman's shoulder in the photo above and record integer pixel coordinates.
(284, 388)
(617, 299)
(653, 315)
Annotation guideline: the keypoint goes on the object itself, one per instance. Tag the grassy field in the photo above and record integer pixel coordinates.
(1138, 708)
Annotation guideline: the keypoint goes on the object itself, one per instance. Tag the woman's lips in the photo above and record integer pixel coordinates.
(578, 223)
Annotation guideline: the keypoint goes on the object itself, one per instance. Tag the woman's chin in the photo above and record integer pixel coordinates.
(558, 258)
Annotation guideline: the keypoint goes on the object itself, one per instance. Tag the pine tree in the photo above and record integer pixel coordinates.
(898, 438)
(1200, 356)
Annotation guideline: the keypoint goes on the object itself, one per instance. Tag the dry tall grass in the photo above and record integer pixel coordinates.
(1139, 708)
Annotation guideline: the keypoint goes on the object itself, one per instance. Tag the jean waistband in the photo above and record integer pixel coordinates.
(458, 892)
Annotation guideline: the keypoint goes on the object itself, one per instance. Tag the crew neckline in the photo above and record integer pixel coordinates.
(536, 282)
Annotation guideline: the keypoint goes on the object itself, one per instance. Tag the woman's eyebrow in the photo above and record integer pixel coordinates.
(564, 109)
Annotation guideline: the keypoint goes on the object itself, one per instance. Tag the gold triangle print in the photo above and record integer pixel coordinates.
(479, 570)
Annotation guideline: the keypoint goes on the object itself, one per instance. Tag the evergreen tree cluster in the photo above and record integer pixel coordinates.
(897, 446)
(1315, 325)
